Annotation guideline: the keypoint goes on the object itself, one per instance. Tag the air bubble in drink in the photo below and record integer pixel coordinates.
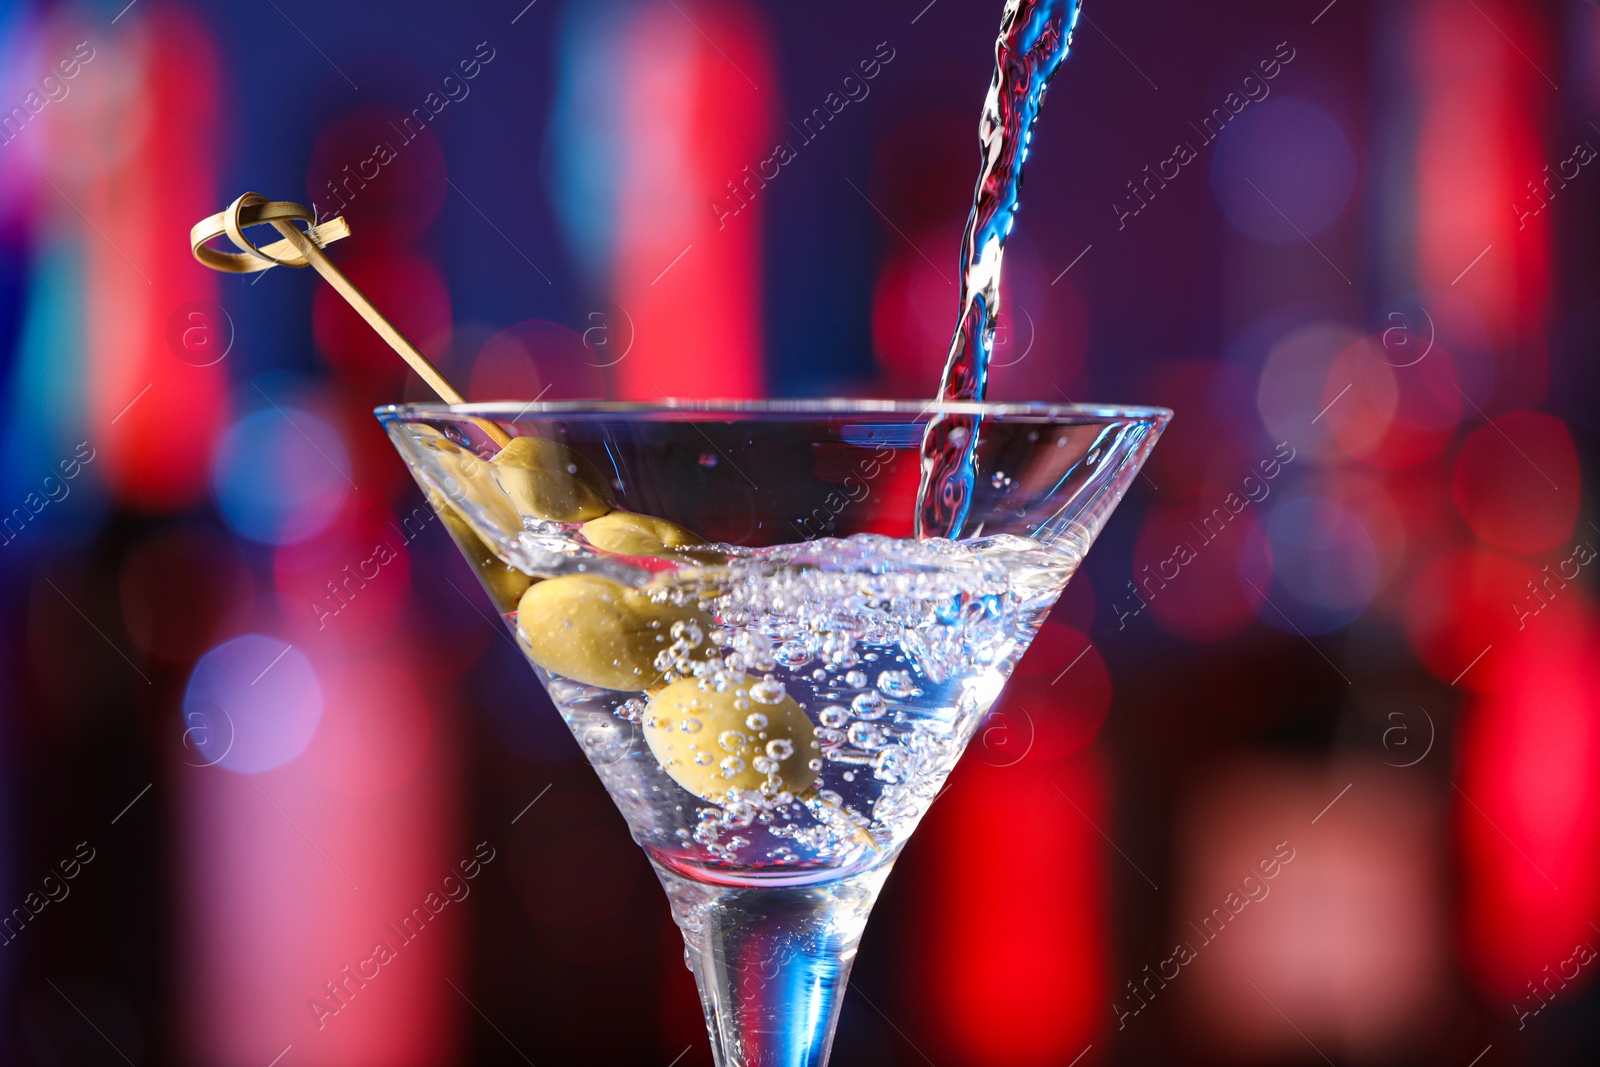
(865, 735)
(897, 685)
(869, 705)
(793, 655)
(768, 691)
(892, 764)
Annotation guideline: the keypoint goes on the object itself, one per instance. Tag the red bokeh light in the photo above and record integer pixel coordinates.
(1528, 811)
(353, 581)
(375, 732)
(161, 415)
(1477, 129)
(412, 293)
(914, 308)
(1517, 482)
(1330, 910)
(1054, 705)
(1462, 605)
(675, 246)
(365, 168)
(1010, 916)
(1387, 415)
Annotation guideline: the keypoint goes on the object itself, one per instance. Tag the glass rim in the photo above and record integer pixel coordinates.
(830, 406)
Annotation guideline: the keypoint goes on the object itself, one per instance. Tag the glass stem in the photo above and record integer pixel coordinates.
(772, 963)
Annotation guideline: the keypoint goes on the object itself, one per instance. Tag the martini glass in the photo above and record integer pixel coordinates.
(771, 676)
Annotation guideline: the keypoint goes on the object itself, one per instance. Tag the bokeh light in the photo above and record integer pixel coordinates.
(1528, 811)
(260, 700)
(1517, 482)
(1283, 171)
(1290, 396)
(1324, 561)
(1192, 566)
(409, 287)
(375, 730)
(1332, 921)
(1021, 981)
(1054, 705)
(1386, 415)
(280, 475)
(1464, 604)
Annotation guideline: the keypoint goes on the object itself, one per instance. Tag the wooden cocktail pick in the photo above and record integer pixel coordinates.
(303, 248)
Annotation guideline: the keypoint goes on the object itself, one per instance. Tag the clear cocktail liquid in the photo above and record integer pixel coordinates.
(894, 649)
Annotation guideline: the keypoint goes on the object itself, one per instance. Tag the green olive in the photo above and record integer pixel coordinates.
(629, 534)
(709, 742)
(471, 491)
(600, 632)
(505, 584)
(550, 481)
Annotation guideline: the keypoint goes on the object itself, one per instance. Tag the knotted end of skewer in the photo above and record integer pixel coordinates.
(303, 248)
(253, 209)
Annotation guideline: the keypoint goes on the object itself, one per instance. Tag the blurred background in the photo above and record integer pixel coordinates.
(1305, 767)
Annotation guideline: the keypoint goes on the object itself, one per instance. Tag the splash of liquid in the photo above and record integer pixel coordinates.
(1034, 37)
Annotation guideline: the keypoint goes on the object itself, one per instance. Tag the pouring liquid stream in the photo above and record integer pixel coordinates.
(1034, 37)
